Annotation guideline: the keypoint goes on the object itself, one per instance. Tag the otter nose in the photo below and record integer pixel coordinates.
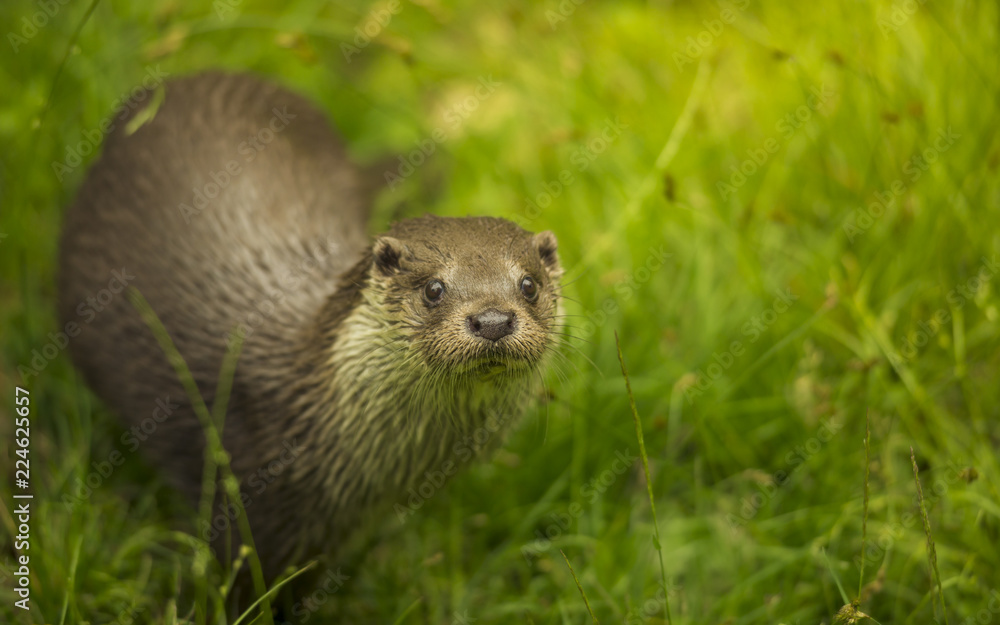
(492, 324)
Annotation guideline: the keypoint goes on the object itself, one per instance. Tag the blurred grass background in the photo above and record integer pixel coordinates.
(762, 312)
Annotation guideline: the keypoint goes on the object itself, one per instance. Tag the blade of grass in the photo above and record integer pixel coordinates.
(65, 59)
(836, 578)
(241, 557)
(223, 387)
(406, 612)
(214, 448)
(864, 516)
(208, 481)
(649, 482)
(71, 581)
(270, 593)
(580, 587)
(931, 552)
(663, 161)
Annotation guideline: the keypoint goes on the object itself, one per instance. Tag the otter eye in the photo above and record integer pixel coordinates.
(529, 288)
(433, 291)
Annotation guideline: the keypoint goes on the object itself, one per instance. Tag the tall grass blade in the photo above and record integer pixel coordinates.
(649, 482)
(931, 551)
(580, 587)
(214, 451)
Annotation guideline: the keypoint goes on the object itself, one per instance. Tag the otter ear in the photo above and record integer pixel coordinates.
(388, 253)
(546, 245)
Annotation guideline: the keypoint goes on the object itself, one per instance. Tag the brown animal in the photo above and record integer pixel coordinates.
(364, 365)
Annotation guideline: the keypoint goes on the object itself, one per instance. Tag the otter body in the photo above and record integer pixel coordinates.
(364, 363)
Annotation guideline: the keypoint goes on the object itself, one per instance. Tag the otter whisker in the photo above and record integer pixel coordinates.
(576, 301)
(566, 284)
(576, 338)
(555, 353)
(583, 354)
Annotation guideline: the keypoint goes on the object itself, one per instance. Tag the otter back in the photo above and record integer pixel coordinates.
(234, 207)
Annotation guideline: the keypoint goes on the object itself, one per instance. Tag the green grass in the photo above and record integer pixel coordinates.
(756, 452)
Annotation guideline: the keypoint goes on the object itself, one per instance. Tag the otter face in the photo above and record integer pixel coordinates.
(473, 296)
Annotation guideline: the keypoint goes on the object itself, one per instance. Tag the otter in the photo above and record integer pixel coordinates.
(231, 205)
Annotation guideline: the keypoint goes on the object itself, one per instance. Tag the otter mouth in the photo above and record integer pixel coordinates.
(492, 367)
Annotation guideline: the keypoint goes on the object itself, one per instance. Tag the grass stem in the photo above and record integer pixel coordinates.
(864, 516)
(931, 551)
(214, 451)
(580, 587)
(649, 481)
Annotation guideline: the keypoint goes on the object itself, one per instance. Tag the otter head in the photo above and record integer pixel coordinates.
(473, 297)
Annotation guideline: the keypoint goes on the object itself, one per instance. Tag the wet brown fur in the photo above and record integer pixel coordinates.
(345, 367)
